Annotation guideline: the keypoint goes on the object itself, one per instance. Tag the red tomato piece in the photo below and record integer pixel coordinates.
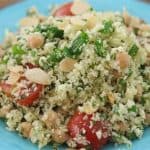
(64, 10)
(32, 97)
(95, 132)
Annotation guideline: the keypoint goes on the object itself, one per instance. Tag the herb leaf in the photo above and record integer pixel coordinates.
(76, 48)
(55, 57)
(132, 109)
(50, 31)
(17, 50)
(133, 50)
(99, 48)
(108, 27)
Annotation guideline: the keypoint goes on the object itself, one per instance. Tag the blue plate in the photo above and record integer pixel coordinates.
(8, 20)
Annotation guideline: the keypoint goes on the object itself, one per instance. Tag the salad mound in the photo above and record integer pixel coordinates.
(78, 76)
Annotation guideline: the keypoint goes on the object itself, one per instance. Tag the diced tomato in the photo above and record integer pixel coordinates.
(6, 88)
(95, 132)
(28, 98)
(32, 97)
(64, 10)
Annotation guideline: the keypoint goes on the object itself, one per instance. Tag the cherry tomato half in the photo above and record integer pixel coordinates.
(64, 10)
(94, 132)
(32, 96)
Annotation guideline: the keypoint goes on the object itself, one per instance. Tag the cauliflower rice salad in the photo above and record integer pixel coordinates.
(78, 77)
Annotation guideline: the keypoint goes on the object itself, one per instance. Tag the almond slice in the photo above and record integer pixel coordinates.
(37, 75)
(79, 7)
(29, 21)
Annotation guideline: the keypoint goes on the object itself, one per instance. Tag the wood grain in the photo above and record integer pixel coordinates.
(4, 3)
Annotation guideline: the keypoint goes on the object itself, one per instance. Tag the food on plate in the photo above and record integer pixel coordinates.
(78, 76)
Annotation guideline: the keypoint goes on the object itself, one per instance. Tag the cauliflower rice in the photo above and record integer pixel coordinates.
(107, 73)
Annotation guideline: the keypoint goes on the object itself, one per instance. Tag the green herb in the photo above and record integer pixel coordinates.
(4, 60)
(132, 109)
(76, 47)
(99, 48)
(130, 72)
(133, 50)
(131, 136)
(17, 50)
(49, 31)
(17, 53)
(122, 86)
(55, 57)
(108, 27)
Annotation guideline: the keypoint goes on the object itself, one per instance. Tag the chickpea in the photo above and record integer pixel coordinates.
(35, 41)
(60, 136)
(25, 129)
(139, 91)
(147, 118)
(67, 64)
(51, 119)
(4, 110)
(123, 59)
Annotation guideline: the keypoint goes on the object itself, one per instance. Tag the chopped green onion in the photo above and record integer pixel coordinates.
(49, 31)
(108, 27)
(99, 48)
(55, 56)
(17, 50)
(132, 109)
(133, 50)
(76, 47)
(122, 86)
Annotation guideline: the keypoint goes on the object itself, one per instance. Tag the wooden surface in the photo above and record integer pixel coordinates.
(4, 3)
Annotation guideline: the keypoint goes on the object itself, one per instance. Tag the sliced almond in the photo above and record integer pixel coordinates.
(67, 64)
(126, 17)
(29, 21)
(77, 21)
(13, 78)
(144, 27)
(139, 91)
(37, 75)
(79, 7)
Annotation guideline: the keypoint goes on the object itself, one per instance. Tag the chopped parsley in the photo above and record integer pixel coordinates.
(18, 52)
(133, 50)
(49, 31)
(108, 27)
(77, 45)
(99, 48)
(132, 109)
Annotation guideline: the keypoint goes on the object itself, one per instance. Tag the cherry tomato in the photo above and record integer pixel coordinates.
(29, 93)
(33, 95)
(64, 10)
(94, 132)
(6, 88)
